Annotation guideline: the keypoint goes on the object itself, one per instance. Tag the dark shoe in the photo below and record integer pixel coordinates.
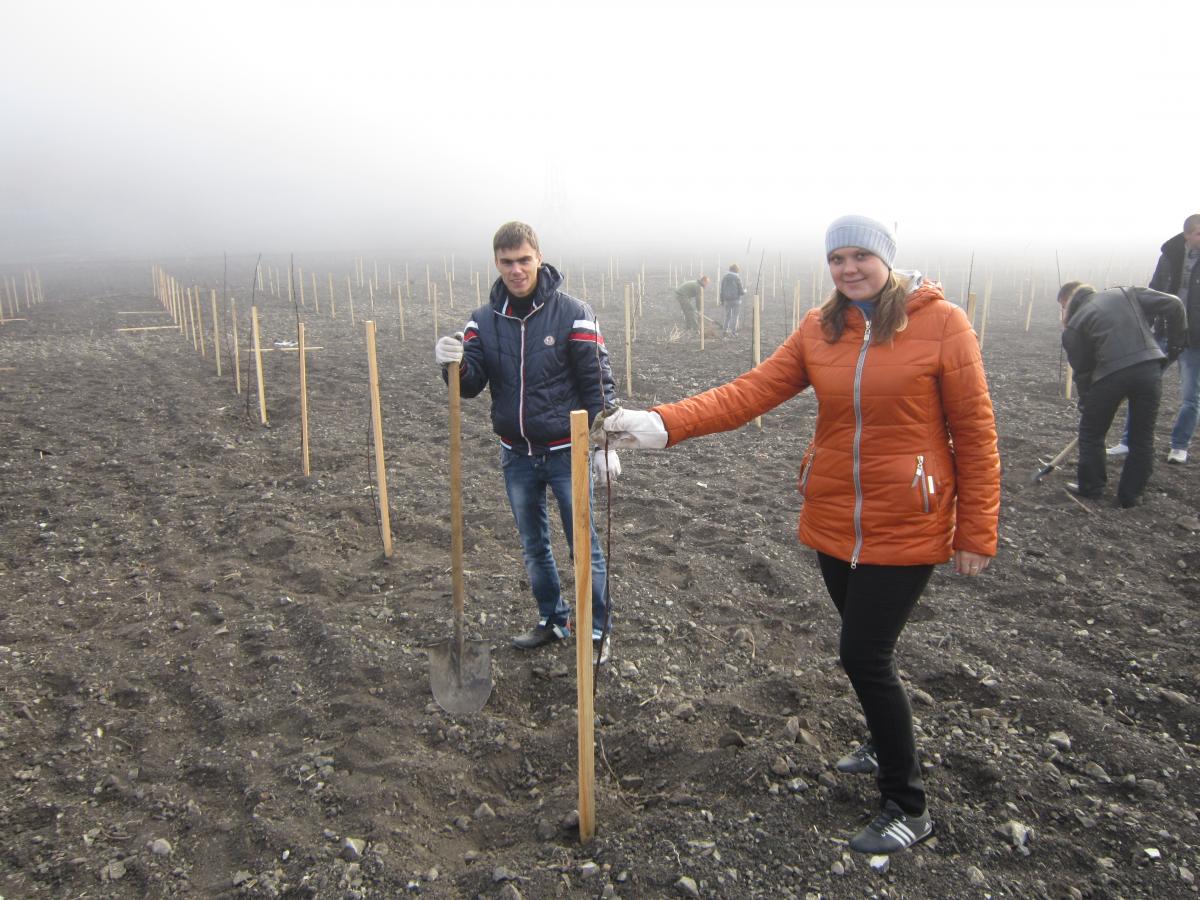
(541, 635)
(1127, 502)
(859, 762)
(1073, 488)
(892, 830)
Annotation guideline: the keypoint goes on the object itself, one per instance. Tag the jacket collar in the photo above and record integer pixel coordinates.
(548, 283)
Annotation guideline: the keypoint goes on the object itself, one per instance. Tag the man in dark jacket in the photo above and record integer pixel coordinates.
(1177, 273)
(731, 295)
(540, 352)
(688, 297)
(1115, 357)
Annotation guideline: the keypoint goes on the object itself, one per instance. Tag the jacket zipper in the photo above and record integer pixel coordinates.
(521, 396)
(919, 478)
(858, 496)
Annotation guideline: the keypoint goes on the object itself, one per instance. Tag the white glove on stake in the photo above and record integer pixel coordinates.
(605, 465)
(634, 429)
(448, 350)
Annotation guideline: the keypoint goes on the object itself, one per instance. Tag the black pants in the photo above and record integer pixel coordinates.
(1141, 385)
(874, 603)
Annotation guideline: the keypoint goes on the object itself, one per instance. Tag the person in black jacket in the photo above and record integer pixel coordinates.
(730, 296)
(540, 352)
(1115, 357)
(1177, 273)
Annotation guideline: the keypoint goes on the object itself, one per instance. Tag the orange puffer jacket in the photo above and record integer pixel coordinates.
(903, 468)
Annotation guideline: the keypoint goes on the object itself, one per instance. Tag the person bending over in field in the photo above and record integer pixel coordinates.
(688, 296)
(540, 352)
(1115, 356)
(898, 374)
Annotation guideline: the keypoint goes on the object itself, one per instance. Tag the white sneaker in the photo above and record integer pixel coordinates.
(1179, 457)
(1121, 449)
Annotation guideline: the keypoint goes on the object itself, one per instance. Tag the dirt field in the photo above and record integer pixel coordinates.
(213, 684)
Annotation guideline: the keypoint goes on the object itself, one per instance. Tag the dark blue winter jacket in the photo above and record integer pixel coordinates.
(539, 368)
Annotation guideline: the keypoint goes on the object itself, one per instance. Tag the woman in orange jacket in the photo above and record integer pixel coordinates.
(902, 474)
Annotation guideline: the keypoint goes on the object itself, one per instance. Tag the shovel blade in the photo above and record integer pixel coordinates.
(461, 684)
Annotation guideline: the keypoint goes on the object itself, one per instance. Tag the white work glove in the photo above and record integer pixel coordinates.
(448, 350)
(606, 466)
(632, 429)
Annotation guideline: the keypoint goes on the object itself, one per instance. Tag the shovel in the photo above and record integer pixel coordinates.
(460, 671)
(1053, 464)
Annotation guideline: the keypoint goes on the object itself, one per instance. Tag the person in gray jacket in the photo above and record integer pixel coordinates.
(1115, 357)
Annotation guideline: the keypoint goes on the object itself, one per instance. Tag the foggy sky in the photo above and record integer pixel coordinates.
(157, 128)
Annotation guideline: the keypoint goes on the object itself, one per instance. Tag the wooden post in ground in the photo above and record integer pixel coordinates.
(478, 289)
(434, 309)
(303, 399)
(700, 306)
(216, 332)
(258, 365)
(350, 300)
(581, 508)
(300, 280)
(389, 278)
(385, 522)
(400, 308)
(290, 288)
(371, 295)
(1029, 310)
(332, 299)
(971, 302)
(200, 323)
(757, 345)
(628, 343)
(316, 295)
(237, 360)
(987, 300)
(37, 283)
(191, 312)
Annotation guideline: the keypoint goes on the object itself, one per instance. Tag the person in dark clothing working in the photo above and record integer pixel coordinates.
(1115, 357)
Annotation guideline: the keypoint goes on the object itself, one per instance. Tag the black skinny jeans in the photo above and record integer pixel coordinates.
(1141, 385)
(874, 603)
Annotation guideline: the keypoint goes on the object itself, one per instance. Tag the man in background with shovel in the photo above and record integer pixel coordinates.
(540, 352)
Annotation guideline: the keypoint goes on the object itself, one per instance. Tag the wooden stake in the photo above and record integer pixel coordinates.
(258, 365)
(700, 306)
(300, 279)
(582, 516)
(385, 522)
(237, 356)
(191, 300)
(332, 299)
(316, 296)
(200, 323)
(371, 294)
(389, 278)
(433, 308)
(289, 287)
(1029, 310)
(987, 300)
(757, 344)
(971, 308)
(216, 332)
(303, 399)
(628, 342)
(400, 309)
(350, 299)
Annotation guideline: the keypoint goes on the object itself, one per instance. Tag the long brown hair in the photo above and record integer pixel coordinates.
(890, 315)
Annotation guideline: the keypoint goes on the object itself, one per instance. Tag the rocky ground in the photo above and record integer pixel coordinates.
(213, 684)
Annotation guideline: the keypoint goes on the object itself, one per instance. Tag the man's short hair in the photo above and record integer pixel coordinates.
(512, 235)
(734, 268)
(1191, 223)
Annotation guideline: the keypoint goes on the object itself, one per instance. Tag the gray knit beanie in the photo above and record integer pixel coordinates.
(859, 231)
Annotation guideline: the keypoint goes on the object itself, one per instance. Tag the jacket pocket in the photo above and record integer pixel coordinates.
(806, 467)
(923, 483)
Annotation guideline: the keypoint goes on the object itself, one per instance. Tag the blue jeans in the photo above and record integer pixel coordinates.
(526, 479)
(1189, 395)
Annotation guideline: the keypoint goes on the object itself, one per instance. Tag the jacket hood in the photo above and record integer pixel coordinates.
(548, 281)
(921, 291)
(1174, 247)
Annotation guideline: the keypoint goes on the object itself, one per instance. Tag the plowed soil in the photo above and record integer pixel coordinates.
(211, 677)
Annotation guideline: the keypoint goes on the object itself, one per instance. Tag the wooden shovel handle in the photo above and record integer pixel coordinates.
(456, 509)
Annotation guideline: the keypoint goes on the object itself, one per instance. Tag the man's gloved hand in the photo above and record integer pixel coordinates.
(630, 429)
(606, 466)
(448, 350)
